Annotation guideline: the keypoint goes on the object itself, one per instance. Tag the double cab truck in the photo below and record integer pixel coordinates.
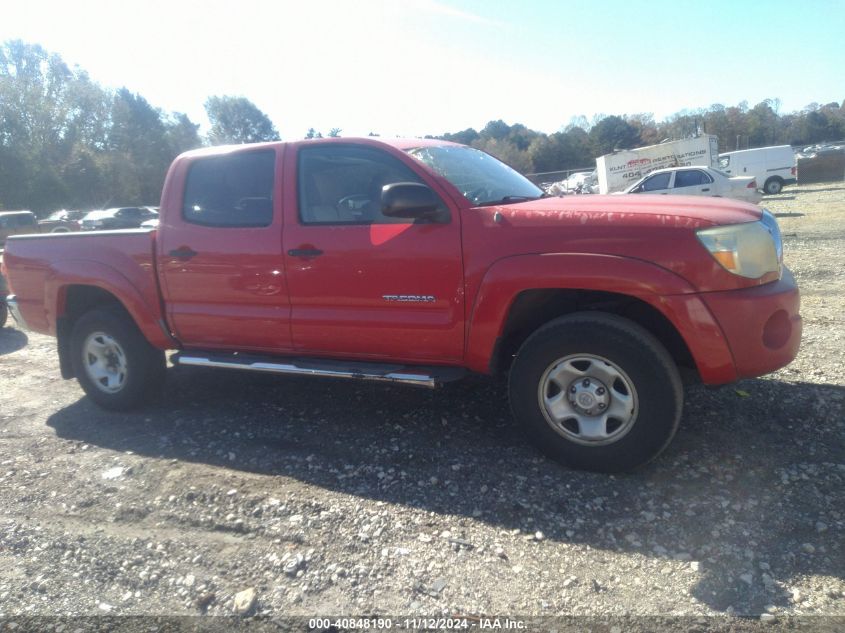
(419, 261)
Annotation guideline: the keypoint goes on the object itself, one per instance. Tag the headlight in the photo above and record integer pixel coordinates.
(750, 250)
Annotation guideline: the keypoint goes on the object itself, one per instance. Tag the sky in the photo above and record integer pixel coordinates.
(417, 67)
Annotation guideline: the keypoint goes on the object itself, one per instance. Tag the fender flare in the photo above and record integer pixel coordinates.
(142, 304)
(662, 289)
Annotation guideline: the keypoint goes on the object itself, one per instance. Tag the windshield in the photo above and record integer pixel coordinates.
(481, 178)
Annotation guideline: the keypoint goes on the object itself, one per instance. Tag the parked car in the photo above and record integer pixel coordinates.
(15, 223)
(697, 181)
(62, 221)
(576, 182)
(150, 224)
(772, 167)
(417, 262)
(117, 218)
(823, 150)
(580, 181)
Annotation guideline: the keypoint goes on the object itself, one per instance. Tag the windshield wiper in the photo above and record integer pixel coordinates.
(508, 199)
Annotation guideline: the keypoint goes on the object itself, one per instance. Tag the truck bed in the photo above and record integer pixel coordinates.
(120, 262)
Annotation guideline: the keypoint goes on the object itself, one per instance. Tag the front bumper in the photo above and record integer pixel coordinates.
(14, 310)
(762, 325)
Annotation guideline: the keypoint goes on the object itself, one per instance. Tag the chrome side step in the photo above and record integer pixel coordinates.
(430, 377)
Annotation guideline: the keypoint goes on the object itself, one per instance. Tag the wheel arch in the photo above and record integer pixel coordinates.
(72, 300)
(532, 309)
(520, 294)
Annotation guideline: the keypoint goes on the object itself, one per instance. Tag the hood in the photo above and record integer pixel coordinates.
(650, 228)
(640, 210)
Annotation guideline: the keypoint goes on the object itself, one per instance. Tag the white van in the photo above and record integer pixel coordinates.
(772, 167)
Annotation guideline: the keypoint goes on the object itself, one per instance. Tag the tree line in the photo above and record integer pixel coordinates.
(67, 142)
(582, 141)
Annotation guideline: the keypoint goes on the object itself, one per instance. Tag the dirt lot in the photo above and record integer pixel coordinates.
(344, 498)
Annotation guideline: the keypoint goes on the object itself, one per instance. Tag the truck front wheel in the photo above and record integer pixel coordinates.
(113, 362)
(596, 391)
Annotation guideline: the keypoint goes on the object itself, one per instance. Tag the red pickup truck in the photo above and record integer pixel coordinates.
(417, 261)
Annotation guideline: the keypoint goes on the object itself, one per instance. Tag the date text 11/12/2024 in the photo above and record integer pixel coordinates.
(422, 623)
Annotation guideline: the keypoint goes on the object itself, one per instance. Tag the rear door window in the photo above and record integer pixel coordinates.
(691, 178)
(231, 191)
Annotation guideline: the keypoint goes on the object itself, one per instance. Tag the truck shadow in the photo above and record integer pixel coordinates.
(751, 489)
(11, 340)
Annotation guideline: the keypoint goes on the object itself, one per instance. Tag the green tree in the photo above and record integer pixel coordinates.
(237, 120)
(762, 125)
(613, 133)
(86, 186)
(506, 152)
(497, 130)
(553, 152)
(138, 137)
(181, 134)
(464, 137)
(46, 111)
(646, 128)
(521, 136)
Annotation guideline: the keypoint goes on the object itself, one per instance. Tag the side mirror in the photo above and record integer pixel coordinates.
(408, 200)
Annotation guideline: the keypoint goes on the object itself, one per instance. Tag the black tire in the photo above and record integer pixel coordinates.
(774, 185)
(4, 314)
(143, 366)
(620, 346)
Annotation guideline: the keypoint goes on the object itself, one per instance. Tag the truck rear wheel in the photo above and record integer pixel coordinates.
(113, 362)
(596, 391)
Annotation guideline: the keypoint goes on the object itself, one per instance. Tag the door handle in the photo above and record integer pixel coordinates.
(706, 189)
(305, 252)
(184, 252)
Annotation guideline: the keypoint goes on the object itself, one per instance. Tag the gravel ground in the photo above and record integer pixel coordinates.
(267, 496)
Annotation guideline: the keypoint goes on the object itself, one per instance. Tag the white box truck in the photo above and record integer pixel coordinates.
(618, 170)
(772, 167)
